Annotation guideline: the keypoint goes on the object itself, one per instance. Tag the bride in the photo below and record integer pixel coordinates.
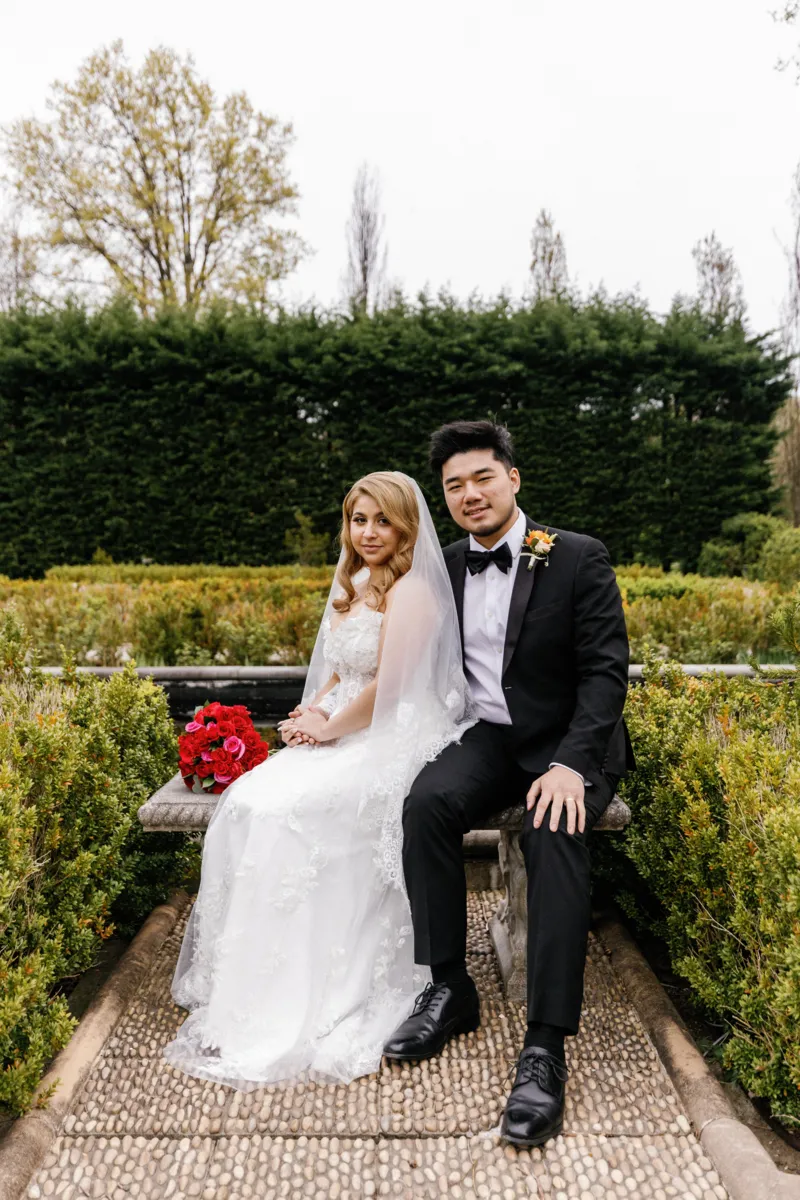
(298, 957)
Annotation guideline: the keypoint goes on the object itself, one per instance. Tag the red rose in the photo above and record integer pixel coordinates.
(255, 756)
(204, 769)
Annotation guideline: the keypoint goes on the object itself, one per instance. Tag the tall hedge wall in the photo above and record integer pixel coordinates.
(184, 439)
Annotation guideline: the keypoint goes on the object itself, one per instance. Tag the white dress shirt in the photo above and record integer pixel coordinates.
(487, 599)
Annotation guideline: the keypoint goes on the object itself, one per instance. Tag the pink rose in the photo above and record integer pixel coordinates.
(234, 745)
(206, 756)
(193, 726)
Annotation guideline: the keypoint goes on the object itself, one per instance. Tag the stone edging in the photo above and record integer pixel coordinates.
(745, 1167)
(28, 1140)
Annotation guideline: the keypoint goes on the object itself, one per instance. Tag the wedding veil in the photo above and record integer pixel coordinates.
(422, 702)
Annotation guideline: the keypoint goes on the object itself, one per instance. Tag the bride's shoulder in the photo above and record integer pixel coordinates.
(409, 594)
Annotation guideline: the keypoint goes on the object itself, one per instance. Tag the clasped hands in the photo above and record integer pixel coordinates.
(557, 789)
(304, 726)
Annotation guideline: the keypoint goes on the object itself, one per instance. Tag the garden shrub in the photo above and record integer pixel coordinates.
(698, 620)
(780, 558)
(161, 573)
(738, 549)
(77, 758)
(715, 847)
(719, 557)
(103, 614)
(219, 618)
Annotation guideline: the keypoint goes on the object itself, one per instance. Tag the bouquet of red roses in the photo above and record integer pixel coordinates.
(219, 745)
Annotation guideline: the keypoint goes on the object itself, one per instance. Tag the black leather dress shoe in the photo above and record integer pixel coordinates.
(440, 1012)
(535, 1109)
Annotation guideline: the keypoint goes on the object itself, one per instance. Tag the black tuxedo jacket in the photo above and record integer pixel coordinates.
(565, 665)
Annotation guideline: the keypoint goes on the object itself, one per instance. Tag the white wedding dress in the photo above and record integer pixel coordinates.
(298, 957)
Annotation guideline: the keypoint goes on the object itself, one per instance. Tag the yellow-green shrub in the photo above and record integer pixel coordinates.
(698, 619)
(222, 617)
(715, 840)
(259, 615)
(780, 558)
(77, 758)
(161, 573)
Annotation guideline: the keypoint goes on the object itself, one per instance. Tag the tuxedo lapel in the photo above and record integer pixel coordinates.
(457, 569)
(520, 597)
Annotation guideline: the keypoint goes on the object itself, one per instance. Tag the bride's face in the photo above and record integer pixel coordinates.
(373, 536)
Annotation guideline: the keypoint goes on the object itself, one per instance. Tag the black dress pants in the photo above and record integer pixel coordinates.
(466, 784)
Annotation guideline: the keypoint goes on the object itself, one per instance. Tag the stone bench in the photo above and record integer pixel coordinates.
(174, 808)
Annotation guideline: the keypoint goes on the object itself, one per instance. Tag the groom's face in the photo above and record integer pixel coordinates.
(480, 492)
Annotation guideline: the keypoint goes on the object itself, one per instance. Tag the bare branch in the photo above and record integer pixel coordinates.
(549, 277)
(719, 286)
(366, 244)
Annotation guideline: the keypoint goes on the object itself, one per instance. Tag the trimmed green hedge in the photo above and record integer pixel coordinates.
(188, 437)
(711, 861)
(257, 615)
(77, 758)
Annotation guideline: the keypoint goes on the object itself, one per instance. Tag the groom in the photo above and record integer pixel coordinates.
(546, 658)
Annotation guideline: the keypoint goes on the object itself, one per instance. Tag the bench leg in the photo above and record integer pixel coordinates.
(508, 928)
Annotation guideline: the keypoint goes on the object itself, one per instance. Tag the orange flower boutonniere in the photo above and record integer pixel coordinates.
(539, 543)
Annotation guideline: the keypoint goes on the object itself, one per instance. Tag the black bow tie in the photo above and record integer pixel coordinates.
(478, 560)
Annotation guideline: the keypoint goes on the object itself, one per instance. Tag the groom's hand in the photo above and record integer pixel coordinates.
(556, 789)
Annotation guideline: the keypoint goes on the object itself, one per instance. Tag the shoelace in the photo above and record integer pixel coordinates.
(427, 996)
(540, 1069)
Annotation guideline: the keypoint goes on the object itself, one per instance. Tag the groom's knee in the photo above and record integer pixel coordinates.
(427, 807)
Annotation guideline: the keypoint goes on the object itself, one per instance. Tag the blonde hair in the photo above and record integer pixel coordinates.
(396, 499)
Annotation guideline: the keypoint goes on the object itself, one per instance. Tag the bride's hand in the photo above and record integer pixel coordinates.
(286, 728)
(311, 725)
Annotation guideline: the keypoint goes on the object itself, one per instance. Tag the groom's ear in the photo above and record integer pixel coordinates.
(513, 475)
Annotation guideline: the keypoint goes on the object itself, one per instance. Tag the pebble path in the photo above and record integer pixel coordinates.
(139, 1128)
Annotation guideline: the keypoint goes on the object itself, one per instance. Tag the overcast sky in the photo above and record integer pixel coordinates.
(642, 126)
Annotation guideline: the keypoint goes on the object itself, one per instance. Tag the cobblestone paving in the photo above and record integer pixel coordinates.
(139, 1128)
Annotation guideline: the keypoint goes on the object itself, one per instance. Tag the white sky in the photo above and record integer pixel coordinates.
(641, 125)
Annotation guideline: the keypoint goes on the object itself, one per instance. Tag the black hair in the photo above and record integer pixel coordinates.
(460, 436)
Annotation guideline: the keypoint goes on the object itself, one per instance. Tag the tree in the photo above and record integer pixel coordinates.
(164, 193)
(548, 259)
(786, 460)
(366, 244)
(719, 287)
(17, 266)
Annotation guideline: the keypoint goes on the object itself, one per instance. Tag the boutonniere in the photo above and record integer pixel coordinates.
(539, 543)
